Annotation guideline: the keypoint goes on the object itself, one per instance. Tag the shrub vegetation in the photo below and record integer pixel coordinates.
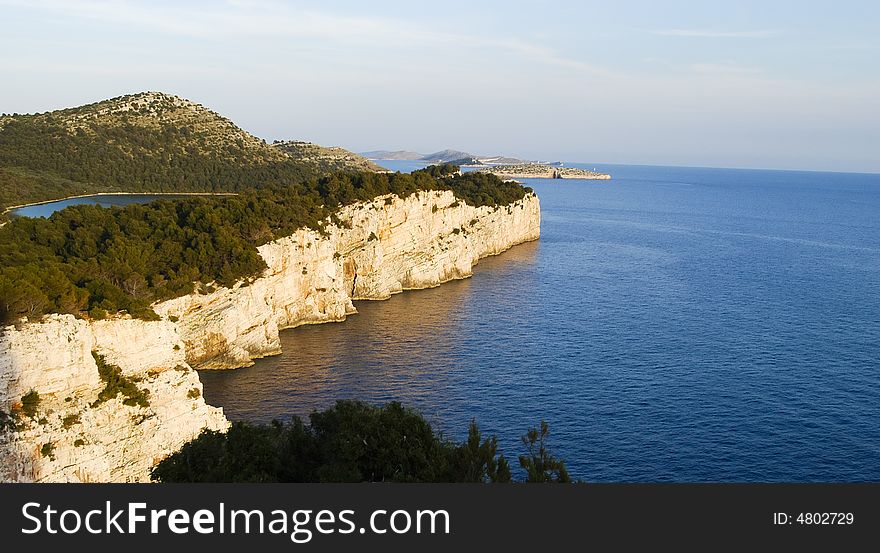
(117, 383)
(48, 450)
(29, 403)
(349, 442)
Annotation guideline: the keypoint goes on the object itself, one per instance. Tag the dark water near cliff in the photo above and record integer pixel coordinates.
(103, 200)
(672, 324)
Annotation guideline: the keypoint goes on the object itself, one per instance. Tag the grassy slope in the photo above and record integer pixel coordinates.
(148, 142)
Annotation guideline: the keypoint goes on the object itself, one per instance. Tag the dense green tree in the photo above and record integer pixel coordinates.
(478, 460)
(86, 258)
(440, 170)
(349, 442)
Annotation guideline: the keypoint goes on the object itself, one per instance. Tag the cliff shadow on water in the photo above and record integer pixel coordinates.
(390, 243)
(407, 348)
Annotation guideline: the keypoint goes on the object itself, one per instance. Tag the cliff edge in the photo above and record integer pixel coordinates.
(378, 248)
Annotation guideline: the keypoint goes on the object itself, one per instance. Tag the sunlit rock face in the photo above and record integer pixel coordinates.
(74, 438)
(377, 249)
(381, 248)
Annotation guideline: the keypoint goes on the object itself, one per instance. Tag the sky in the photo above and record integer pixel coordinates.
(760, 84)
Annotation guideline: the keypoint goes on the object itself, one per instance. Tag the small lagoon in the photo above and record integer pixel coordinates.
(104, 200)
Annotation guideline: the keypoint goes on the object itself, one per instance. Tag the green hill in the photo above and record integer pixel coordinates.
(147, 142)
(326, 158)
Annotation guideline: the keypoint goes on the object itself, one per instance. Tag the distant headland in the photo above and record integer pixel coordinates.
(501, 166)
(542, 171)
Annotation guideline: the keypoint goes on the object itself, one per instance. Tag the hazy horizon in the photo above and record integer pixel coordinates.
(792, 85)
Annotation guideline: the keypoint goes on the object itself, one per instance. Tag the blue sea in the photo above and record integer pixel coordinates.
(672, 324)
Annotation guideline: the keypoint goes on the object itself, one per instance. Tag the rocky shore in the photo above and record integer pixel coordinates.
(541, 171)
(49, 374)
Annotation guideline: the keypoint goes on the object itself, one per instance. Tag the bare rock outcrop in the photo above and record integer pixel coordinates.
(377, 249)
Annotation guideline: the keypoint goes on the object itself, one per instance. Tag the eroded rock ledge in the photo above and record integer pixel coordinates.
(381, 248)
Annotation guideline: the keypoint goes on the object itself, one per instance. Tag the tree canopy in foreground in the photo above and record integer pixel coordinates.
(351, 442)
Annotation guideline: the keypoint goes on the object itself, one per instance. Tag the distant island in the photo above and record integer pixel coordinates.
(501, 166)
(542, 171)
(456, 157)
(402, 155)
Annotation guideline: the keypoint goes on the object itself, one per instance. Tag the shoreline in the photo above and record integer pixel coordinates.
(548, 176)
(284, 298)
(542, 171)
(421, 241)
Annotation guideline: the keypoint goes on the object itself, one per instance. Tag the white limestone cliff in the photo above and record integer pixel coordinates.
(380, 248)
(392, 245)
(70, 439)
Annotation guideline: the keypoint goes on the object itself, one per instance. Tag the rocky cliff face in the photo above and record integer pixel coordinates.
(72, 437)
(382, 247)
(378, 248)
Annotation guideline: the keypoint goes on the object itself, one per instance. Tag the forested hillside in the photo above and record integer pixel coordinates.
(92, 260)
(148, 142)
(326, 158)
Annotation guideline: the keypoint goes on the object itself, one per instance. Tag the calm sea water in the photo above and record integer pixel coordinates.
(673, 324)
(104, 200)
